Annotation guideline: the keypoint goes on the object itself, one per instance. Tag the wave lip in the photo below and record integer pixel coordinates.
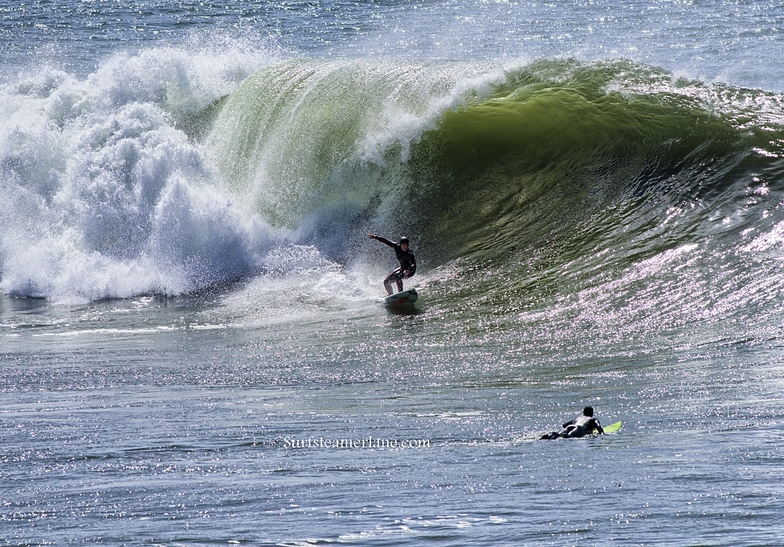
(303, 133)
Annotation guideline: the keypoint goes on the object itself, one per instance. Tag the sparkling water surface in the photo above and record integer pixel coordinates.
(142, 422)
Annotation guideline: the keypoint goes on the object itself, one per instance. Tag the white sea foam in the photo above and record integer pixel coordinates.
(105, 196)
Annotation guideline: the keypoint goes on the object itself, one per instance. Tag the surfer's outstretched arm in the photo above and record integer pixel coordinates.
(382, 240)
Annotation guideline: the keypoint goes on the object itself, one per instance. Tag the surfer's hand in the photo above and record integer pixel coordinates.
(371, 236)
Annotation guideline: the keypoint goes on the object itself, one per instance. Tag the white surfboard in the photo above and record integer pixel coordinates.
(406, 297)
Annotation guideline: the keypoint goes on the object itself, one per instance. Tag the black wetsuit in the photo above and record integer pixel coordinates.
(407, 264)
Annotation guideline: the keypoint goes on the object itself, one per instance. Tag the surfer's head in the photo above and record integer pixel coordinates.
(403, 241)
(588, 411)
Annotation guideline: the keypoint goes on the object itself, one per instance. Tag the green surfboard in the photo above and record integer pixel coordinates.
(612, 428)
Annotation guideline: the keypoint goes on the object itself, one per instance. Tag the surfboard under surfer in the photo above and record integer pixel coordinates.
(406, 259)
(579, 427)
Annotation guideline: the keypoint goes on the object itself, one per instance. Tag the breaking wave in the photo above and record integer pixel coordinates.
(528, 178)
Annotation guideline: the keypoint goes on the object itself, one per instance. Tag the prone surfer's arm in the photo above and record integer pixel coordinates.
(598, 427)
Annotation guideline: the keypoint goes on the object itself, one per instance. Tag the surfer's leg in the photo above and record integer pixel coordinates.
(397, 277)
(402, 277)
(394, 276)
(569, 431)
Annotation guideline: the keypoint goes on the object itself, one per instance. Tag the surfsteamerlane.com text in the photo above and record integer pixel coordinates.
(367, 443)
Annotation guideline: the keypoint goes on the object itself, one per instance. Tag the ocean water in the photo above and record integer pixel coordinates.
(193, 344)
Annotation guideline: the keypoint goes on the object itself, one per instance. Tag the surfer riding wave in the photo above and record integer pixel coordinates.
(406, 259)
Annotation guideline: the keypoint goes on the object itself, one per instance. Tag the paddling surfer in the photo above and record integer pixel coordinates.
(579, 427)
(406, 259)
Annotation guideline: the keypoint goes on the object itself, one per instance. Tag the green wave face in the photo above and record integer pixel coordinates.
(302, 138)
(544, 156)
(487, 163)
